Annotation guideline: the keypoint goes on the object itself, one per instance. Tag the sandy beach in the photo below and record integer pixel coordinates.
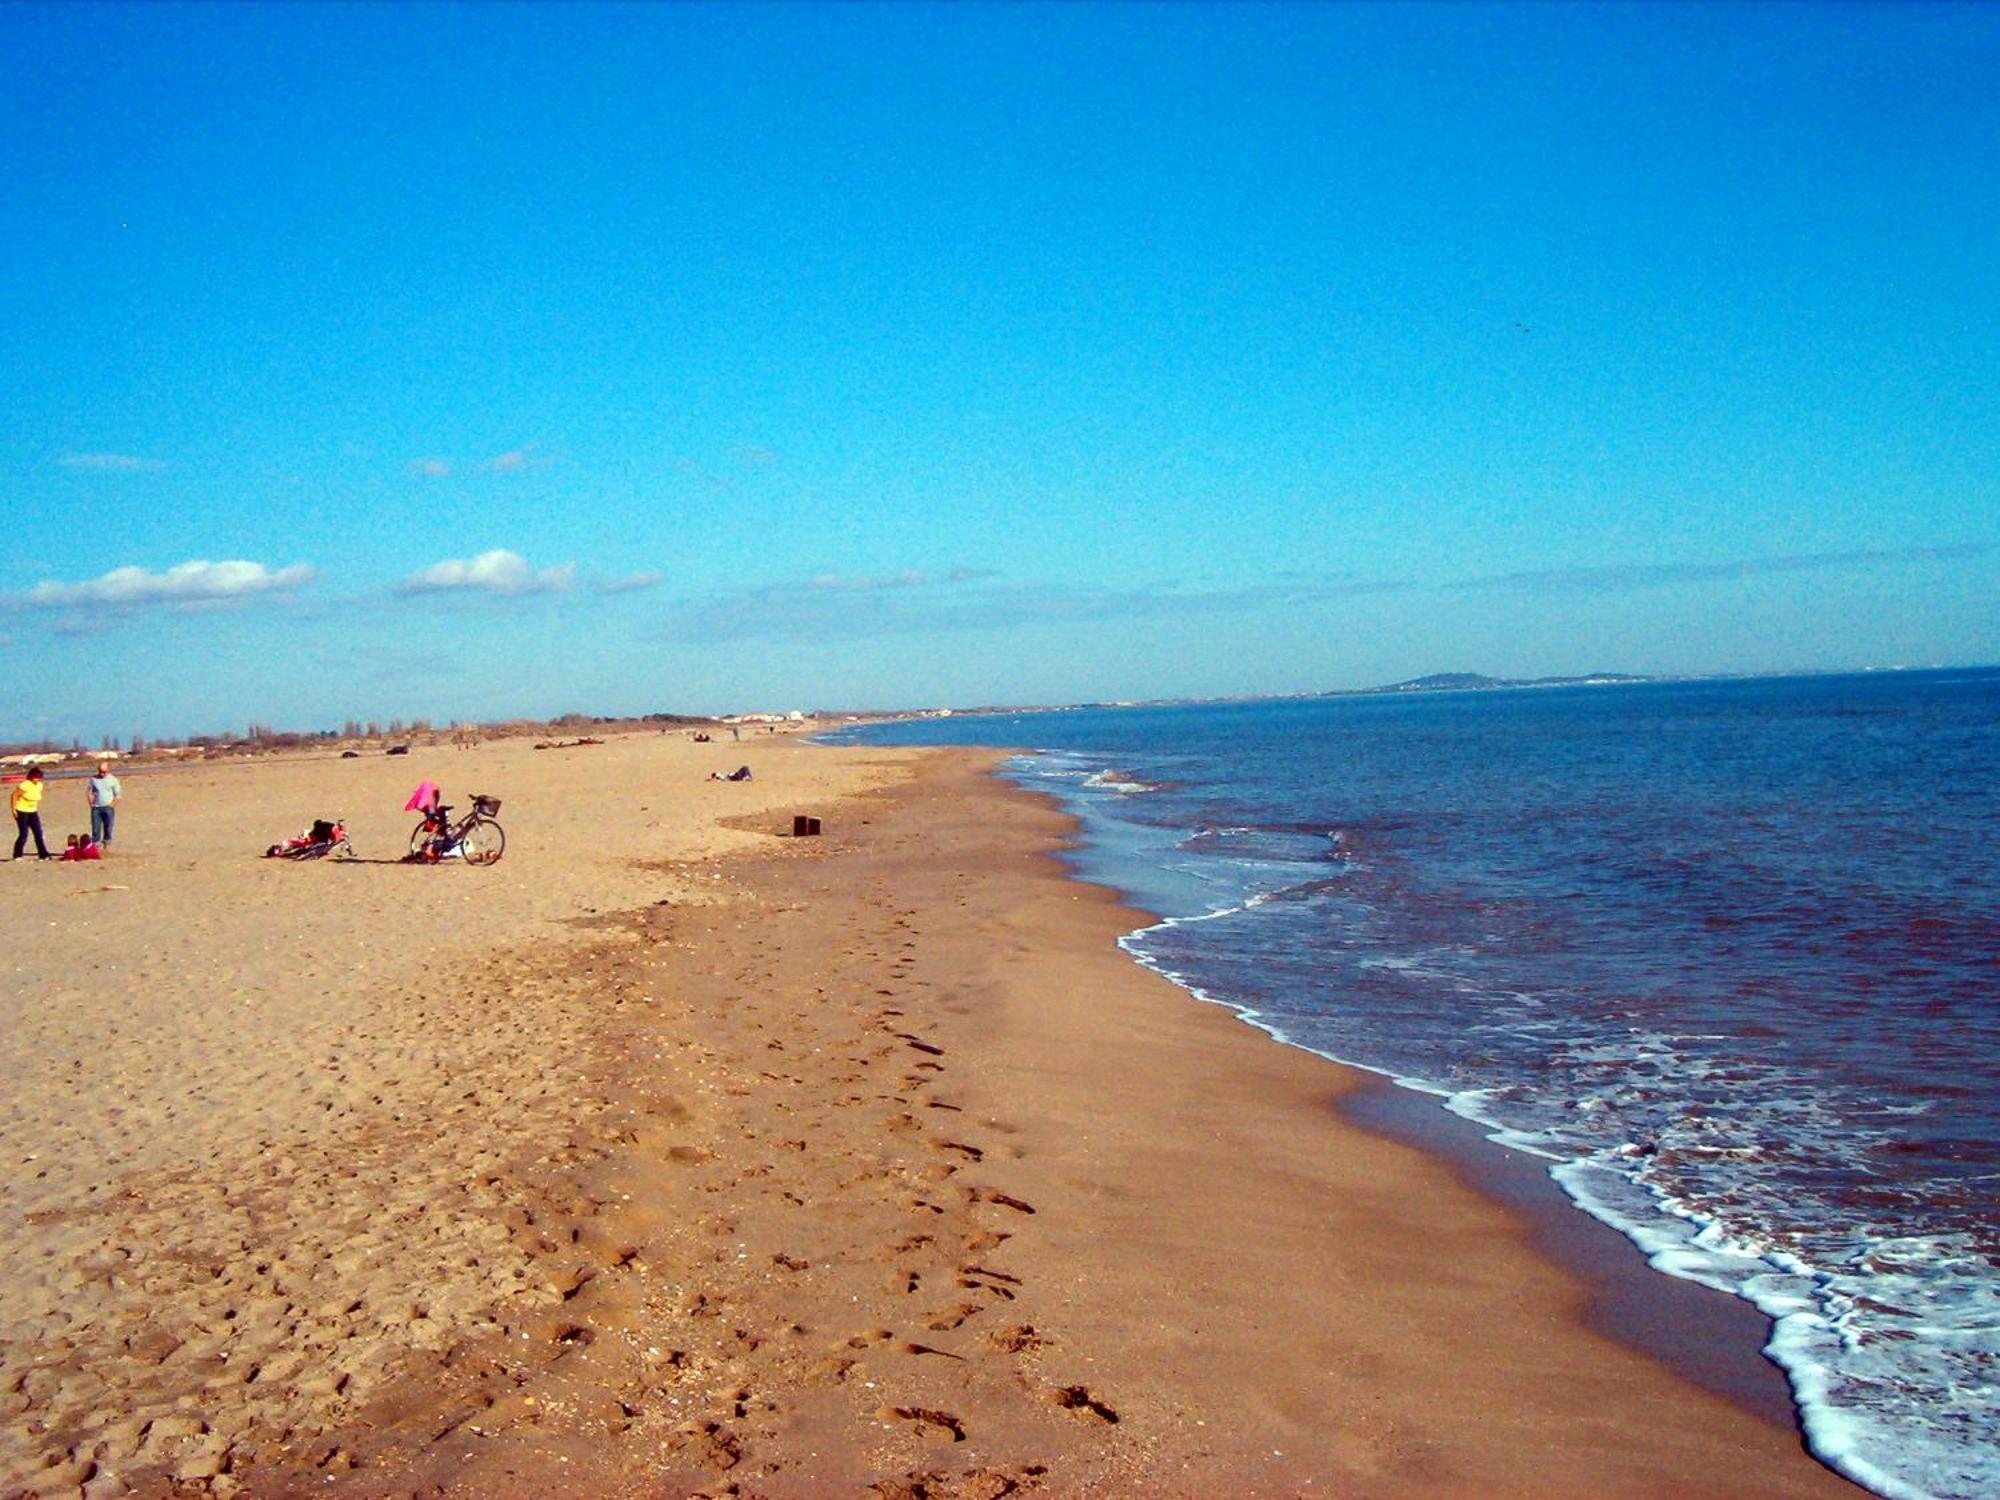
(672, 1156)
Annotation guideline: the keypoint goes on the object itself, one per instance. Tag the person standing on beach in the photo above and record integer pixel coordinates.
(27, 805)
(104, 791)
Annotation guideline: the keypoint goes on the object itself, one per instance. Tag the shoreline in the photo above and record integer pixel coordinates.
(1666, 1318)
(1648, 1310)
(860, 1165)
(1015, 1257)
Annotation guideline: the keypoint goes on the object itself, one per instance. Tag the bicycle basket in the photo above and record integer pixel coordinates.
(489, 807)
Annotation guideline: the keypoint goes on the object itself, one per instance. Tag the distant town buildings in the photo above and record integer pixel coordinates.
(57, 757)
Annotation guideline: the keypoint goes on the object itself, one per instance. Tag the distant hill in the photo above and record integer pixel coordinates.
(1459, 682)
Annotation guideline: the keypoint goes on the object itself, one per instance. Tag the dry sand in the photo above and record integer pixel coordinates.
(669, 1157)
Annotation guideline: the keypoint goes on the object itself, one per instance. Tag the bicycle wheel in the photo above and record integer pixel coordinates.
(420, 842)
(482, 842)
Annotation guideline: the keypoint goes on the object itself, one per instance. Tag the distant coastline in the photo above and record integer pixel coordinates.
(1433, 682)
(1460, 682)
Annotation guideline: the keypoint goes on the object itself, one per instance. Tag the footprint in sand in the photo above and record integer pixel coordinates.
(972, 1285)
(927, 1419)
(919, 1349)
(1005, 1200)
(831, 1370)
(1078, 1399)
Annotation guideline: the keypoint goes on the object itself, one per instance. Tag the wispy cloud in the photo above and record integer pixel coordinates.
(110, 463)
(838, 583)
(188, 583)
(632, 583)
(907, 578)
(495, 572)
(1619, 577)
(836, 606)
(515, 460)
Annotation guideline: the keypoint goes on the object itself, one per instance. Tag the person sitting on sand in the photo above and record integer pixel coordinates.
(27, 807)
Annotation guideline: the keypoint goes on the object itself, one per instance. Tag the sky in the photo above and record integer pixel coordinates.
(483, 361)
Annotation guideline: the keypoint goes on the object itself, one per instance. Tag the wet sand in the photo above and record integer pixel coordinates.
(673, 1157)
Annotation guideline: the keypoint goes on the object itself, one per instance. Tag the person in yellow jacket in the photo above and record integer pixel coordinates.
(27, 805)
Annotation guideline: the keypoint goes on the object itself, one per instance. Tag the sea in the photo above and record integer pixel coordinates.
(1726, 954)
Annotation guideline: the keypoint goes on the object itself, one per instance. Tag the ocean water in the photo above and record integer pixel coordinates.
(1727, 954)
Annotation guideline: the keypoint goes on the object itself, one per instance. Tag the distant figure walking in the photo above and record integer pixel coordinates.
(27, 805)
(104, 790)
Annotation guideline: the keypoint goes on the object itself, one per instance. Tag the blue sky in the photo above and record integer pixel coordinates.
(473, 361)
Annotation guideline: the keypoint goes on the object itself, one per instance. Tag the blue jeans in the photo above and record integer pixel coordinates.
(100, 823)
(27, 823)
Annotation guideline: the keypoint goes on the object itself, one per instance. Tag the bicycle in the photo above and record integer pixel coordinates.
(476, 837)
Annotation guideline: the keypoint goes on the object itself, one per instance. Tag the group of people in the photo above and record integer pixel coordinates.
(103, 790)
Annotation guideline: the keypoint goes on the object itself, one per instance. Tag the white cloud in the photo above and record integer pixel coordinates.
(185, 583)
(110, 463)
(430, 468)
(496, 572)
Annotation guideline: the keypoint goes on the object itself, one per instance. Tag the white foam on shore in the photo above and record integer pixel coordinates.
(1113, 781)
(1843, 1368)
(1812, 1346)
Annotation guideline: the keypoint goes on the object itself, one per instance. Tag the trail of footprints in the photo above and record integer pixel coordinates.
(906, 1200)
(709, 1378)
(472, 1293)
